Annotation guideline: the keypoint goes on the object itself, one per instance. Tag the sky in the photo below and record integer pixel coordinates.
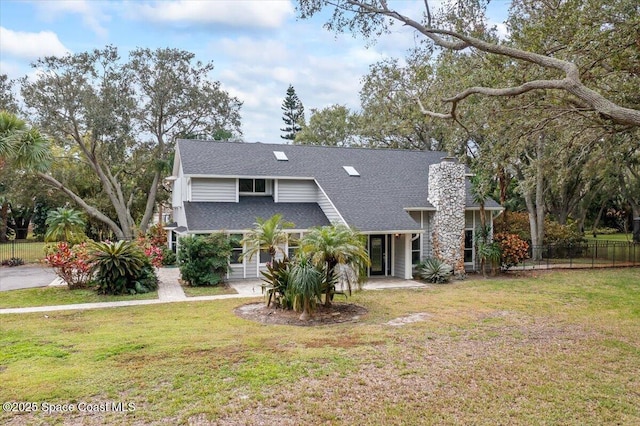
(258, 47)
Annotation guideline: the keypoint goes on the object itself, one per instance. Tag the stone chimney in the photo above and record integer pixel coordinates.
(447, 194)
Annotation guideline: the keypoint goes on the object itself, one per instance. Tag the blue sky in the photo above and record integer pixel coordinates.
(258, 46)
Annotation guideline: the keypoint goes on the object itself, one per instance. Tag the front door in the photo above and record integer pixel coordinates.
(377, 253)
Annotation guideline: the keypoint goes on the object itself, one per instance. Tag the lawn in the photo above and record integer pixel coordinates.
(207, 290)
(27, 250)
(609, 237)
(43, 296)
(554, 348)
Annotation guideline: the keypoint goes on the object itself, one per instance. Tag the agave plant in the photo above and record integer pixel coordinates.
(434, 271)
(122, 267)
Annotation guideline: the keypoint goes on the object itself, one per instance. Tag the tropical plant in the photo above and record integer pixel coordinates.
(13, 261)
(434, 271)
(306, 286)
(276, 284)
(332, 247)
(267, 234)
(513, 249)
(204, 260)
(487, 250)
(64, 224)
(121, 268)
(71, 263)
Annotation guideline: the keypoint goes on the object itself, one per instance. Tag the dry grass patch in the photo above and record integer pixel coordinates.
(559, 348)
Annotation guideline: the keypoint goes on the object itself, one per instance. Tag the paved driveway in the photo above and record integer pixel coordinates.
(26, 276)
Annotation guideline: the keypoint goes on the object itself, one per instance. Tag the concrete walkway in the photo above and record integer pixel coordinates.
(170, 291)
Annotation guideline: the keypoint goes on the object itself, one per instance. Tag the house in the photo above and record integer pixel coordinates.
(409, 204)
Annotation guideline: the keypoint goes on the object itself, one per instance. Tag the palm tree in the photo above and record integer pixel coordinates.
(9, 125)
(64, 224)
(26, 147)
(333, 246)
(267, 235)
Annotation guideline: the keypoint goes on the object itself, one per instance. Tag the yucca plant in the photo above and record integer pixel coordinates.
(122, 267)
(434, 271)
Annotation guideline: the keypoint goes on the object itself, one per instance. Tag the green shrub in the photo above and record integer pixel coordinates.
(204, 260)
(434, 271)
(169, 258)
(554, 233)
(122, 268)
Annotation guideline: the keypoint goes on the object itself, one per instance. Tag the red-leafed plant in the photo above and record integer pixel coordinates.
(151, 250)
(514, 250)
(71, 263)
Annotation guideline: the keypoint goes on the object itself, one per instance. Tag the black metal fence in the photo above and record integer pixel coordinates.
(596, 254)
(27, 250)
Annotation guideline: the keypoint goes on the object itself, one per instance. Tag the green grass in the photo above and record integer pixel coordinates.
(610, 237)
(207, 290)
(44, 296)
(548, 348)
(28, 251)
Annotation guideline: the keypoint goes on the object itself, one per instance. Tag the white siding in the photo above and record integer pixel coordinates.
(297, 191)
(236, 272)
(210, 189)
(328, 208)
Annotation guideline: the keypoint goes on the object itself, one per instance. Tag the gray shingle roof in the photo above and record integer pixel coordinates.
(242, 215)
(390, 180)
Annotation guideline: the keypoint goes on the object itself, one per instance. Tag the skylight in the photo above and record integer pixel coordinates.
(280, 156)
(351, 170)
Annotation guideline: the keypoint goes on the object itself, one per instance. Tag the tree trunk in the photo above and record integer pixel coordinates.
(536, 208)
(331, 265)
(306, 310)
(91, 211)
(4, 224)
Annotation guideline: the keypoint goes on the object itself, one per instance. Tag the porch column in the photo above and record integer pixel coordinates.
(408, 267)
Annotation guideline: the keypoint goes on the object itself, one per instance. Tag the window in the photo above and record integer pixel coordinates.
(253, 186)
(265, 256)
(415, 248)
(293, 244)
(237, 248)
(468, 246)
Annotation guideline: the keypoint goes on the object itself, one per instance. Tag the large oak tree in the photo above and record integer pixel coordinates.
(120, 119)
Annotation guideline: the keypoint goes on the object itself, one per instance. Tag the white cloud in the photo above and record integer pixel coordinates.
(91, 13)
(31, 46)
(259, 51)
(248, 14)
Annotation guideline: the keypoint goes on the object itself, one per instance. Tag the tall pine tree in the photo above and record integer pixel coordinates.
(293, 114)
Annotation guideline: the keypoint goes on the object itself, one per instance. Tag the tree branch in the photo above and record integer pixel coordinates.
(571, 83)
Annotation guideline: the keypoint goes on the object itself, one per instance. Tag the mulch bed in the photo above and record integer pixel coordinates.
(336, 314)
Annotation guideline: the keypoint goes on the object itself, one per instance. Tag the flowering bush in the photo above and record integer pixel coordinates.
(513, 248)
(151, 250)
(71, 263)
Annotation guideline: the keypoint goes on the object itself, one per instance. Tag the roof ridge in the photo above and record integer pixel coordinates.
(304, 146)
